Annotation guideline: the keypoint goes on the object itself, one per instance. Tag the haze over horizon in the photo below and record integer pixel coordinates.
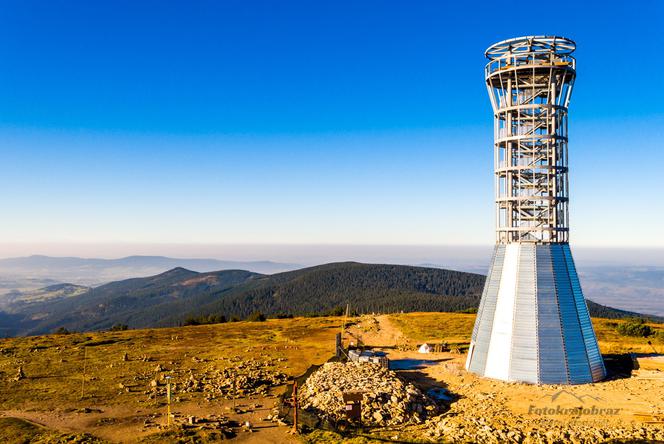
(467, 257)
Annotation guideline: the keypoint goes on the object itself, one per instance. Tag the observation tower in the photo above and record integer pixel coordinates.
(532, 324)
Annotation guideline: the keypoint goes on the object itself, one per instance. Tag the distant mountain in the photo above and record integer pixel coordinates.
(602, 311)
(16, 301)
(638, 288)
(139, 302)
(82, 271)
(168, 298)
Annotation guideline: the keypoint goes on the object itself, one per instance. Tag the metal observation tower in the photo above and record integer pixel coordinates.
(533, 324)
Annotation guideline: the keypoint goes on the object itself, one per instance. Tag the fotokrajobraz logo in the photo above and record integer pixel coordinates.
(586, 405)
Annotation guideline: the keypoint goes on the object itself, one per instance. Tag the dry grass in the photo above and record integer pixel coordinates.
(14, 430)
(456, 328)
(53, 365)
(54, 391)
(611, 342)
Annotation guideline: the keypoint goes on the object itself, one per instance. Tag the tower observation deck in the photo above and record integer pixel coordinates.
(533, 323)
(530, 82)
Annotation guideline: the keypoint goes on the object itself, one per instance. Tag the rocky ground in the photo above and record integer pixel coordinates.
(241, 379)
(225, 379)
(386, 399)
(628, 407)
(485, 418)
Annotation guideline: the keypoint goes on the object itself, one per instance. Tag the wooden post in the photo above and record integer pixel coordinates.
(85, 361)
(168, 401)
(234, 389)
(343, 326)
(295, 408)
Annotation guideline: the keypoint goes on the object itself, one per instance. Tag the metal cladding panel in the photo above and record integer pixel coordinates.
(480, 309)
(553, 365)
(533, 324)
(484, 322)
(597, 369)
(500, 345)
(523, 365)
(575, 347)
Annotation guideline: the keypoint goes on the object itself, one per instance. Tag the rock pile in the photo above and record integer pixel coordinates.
(386, 400)
(245, 379)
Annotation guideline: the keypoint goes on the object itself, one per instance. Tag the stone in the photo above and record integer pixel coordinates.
(19, 374)
(386, 399)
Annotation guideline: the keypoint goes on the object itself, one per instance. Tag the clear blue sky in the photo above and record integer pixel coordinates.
(360, 122)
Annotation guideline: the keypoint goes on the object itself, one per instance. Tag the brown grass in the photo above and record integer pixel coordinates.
(14, 430)
(456, 328)
(54, 364)
(610, 341)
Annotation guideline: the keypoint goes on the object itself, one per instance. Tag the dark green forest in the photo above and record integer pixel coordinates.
(181, 296)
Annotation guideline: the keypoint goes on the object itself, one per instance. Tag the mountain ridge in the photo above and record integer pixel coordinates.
(166, 299)
(22, 273)
(38, 260)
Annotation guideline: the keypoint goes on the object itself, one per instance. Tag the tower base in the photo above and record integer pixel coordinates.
(533, 324)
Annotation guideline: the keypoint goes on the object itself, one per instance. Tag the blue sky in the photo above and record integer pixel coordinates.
(307, 122)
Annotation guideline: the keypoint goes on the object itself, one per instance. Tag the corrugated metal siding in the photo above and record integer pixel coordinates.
(500, 345)
(553, 365)
(551, 340)
(523, 365)
(575, 347)
(484, 323)
(483, 299)
(596, 362)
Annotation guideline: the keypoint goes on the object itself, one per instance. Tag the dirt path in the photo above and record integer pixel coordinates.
(123, 424)
(376, 331)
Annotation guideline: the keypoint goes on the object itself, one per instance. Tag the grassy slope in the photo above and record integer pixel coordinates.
(457, 328)
(50, 293)
(15, 430)
(53, 364)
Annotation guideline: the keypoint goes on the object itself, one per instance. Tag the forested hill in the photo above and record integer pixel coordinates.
(169, 298)
(365, 287)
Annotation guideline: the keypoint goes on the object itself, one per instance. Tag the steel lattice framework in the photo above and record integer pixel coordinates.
(533, 323)
(530, 81)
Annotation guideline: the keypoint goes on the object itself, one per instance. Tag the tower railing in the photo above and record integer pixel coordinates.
(530, 82)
